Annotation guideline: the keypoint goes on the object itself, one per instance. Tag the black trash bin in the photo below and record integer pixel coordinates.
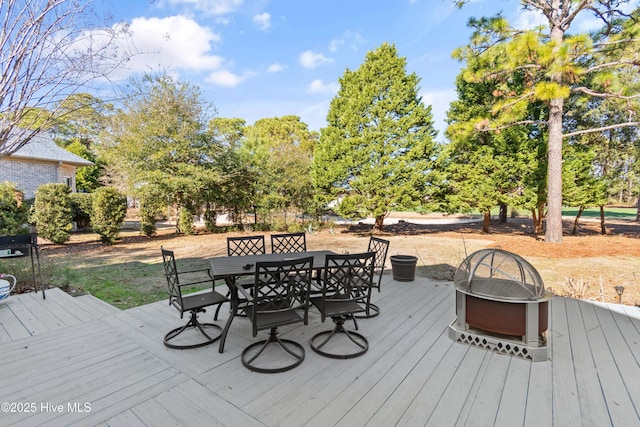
(403, 267)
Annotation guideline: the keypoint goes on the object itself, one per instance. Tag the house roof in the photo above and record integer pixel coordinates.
(43, 147)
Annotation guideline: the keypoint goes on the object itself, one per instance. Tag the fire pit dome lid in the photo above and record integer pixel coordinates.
(498, 274)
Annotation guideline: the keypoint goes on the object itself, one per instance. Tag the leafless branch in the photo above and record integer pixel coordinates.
(596, 94)
(600, 129)
(48, 52)
(509, 125)
(598, 67)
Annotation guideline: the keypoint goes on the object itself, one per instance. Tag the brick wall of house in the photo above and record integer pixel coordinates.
(29, 175)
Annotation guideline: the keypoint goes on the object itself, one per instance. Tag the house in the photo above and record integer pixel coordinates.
(39, 162)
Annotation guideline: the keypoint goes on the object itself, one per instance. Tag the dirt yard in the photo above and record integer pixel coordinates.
(588, 265)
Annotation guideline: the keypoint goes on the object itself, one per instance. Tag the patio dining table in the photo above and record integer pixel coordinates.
(227, 268)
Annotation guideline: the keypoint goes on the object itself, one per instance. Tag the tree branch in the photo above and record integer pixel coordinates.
(600, 129)
(612, 64)
(591, 92)
(507, 126)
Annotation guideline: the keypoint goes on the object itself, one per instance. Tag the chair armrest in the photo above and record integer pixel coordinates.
(196, 271)
(198, 282)
(244, 293)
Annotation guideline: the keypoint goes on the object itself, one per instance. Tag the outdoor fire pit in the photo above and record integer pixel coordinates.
(501, 304)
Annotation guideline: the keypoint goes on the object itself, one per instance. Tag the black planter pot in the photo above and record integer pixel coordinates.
(403, 267)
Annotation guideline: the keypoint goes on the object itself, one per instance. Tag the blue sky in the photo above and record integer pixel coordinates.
(259, 58)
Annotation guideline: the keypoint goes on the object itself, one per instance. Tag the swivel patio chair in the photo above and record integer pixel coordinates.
(246, 245)
(347, 281)
(380, 247)
(239, 246)
(193, 303)
(274, 301)
(288, 243)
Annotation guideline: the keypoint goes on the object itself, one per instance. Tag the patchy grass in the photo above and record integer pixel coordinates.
(130, 272)
(609, 213)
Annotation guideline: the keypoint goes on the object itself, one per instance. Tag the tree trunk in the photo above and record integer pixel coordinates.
(486, 221)
(379, 224)
(538, 218)
(575, 222)
(503, 213)
(553, 232)
(603, 227)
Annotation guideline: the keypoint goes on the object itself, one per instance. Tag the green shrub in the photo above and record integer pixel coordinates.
(51, 212)
(210, 218)
(13, 212)
(108, 212)
(151, 202)
(147, 219)
(185, 221)
(81, 206)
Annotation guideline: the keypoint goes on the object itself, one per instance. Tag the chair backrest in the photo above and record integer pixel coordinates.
(347, 279)
(171, 274)
(380, 247)
(247, 245)
(288, 243)
(280, 288)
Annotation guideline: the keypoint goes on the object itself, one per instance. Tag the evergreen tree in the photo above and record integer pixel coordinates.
(377, 152)
(555, 65)
(484, 170)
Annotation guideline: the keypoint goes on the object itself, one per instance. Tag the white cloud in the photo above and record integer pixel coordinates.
(529, 19)
(439, 101)
(172, 42)
(276, 68)
(263, 21)
(318, 86)
(351, 39)
(335, 44)
(224, 78)
(310, 59)
(211, 7)
(315, 115)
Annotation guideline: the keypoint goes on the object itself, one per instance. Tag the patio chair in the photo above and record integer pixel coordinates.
(239, 246)
(288, 243)
(193, 303)
(347, 281)
(380, 247)
(246, 245)
(274, 301)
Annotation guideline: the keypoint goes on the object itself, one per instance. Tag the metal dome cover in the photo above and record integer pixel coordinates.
(500, 275)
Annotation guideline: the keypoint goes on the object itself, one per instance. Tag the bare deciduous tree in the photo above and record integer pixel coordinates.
(49, 50)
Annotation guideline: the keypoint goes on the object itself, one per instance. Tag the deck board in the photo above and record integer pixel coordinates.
(593, 406)
(485, 404)
(513, 403)
(610, 375)
(565, 405)
(63, 350)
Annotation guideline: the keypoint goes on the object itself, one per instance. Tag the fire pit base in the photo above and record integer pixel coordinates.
(500, 344)
(517, 328)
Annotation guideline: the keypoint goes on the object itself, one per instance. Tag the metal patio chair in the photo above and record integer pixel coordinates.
(380, 247)
(347, 281)
(245, 245)
(192, 303)
(275, 301)
(288, 243)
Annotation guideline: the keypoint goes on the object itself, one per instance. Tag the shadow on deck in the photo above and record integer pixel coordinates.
(78, 361)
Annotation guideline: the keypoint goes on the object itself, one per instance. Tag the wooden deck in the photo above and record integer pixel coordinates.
(69, 361)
